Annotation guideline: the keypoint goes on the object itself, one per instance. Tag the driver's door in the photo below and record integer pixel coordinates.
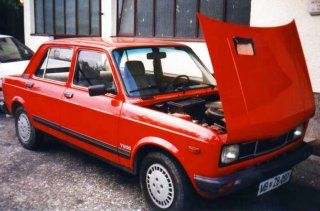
(91, 121)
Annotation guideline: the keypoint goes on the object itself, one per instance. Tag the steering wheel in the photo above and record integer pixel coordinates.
(174, 83)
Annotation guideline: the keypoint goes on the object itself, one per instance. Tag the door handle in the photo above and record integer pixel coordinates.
(68, 94)
(29, 84)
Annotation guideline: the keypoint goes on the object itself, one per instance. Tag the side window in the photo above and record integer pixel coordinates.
(92, 68)
(55, 64)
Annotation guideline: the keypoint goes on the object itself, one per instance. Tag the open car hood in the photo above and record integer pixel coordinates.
(262, 78)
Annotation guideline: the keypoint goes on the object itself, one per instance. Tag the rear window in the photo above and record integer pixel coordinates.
(55, 64)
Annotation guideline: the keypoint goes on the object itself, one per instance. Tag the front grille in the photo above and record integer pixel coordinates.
(260, 147)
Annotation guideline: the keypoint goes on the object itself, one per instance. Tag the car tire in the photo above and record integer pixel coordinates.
(26, 133)
(164, 183)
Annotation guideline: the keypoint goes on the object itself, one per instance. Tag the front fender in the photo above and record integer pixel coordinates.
(153, 142)
(156, 142)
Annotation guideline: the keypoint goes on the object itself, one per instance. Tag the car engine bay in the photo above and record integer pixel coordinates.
(206, 111)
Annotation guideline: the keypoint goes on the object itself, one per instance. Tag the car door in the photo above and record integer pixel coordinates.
(47, 86)
(92, 121)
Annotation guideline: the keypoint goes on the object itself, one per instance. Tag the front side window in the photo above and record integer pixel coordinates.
(55, 64)
(11, 50)
(159, 70)
(92, 68)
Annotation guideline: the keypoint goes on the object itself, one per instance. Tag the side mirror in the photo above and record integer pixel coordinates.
(100, 89)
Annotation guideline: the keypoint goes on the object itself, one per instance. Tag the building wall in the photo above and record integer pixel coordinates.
(279, 12)
(109, 18)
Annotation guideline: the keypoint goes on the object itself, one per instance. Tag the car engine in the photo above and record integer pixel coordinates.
(206, 111)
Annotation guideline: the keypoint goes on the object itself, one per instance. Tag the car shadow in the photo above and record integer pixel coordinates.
(293, 196)
(289, 197)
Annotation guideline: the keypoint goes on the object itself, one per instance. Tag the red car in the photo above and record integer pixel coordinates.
(154, 110)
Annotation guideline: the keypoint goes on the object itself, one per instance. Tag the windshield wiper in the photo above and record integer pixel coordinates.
(144, 88)
(185, 88)
(209, 85)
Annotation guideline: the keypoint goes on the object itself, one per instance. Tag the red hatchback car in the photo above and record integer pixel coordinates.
(153, 109)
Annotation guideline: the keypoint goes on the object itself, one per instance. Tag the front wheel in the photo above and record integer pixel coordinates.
(163, 182)
(27, 134)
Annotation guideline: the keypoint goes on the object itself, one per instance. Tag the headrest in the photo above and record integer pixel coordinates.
(88, 71)
(136, 68)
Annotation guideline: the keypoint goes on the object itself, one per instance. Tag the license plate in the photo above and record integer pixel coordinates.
(274, 182)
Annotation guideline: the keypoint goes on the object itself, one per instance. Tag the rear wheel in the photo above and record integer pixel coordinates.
(163, 182)
(27, 134)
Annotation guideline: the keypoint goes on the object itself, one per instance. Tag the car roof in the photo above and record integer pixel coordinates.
(4, 36)
(112, 43)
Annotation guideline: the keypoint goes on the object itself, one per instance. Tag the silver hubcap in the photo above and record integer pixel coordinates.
(24, 128)
(160, 186)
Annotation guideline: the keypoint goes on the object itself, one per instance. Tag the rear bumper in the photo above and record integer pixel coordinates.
(253, 175)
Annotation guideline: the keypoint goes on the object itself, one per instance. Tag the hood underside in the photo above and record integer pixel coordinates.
(262, 78)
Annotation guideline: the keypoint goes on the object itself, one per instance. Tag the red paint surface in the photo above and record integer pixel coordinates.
(266, 94)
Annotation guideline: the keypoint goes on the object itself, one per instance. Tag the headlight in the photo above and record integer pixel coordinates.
(298, 132)
(229, 153)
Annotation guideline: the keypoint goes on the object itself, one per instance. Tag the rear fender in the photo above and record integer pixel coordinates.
(11, 104)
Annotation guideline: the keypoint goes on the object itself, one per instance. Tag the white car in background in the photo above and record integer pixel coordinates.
(14, 58)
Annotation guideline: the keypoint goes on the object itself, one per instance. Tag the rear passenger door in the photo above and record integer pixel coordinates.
(92, 121)
(47, 86)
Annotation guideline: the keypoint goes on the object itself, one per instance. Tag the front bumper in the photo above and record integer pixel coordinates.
(254, 174)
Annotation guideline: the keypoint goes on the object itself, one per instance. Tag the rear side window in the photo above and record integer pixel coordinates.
(55, 64)
(92, 68)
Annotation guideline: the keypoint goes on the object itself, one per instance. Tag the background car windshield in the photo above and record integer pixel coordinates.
(158, 70)
(12, 50)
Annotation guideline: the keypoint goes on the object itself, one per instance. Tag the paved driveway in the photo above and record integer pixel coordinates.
(58, 177)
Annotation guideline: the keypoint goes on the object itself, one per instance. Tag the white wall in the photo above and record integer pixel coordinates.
(31, 41)
(109, 18)
(279, 12)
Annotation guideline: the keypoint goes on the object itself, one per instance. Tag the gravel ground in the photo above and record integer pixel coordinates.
(56, 177)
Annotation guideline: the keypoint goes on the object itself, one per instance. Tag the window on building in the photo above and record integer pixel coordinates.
(176, 18)
(67, 17)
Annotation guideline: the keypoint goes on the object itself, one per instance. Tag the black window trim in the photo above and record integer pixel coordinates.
(173, 37)
(64, 17)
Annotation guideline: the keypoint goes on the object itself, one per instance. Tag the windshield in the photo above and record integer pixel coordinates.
(11, 50)
(158, 70)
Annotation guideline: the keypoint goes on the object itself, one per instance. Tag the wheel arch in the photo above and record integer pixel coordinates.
(153, 144)
(15, 104)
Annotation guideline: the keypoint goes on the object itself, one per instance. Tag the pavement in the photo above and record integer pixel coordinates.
(56, 177)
